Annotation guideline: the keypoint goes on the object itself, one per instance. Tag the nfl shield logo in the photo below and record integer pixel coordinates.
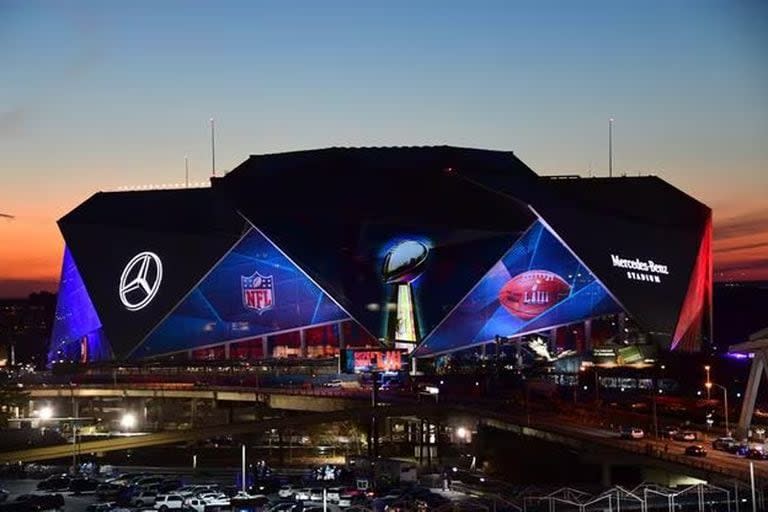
(258, 292)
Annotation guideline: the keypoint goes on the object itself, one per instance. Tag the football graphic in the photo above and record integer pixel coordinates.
(531, 293)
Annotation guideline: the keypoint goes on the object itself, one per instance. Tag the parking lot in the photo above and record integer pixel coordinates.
(163, 490)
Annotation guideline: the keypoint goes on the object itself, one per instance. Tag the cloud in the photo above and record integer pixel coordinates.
(749, 223)
(742, 247)
(12, 121)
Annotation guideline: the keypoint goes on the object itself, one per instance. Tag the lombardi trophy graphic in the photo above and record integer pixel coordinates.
(402, 265)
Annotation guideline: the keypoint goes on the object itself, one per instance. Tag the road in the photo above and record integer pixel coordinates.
(667, 449)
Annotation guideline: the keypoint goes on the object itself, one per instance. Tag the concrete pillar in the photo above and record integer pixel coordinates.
(414, 369)
(342, 341)
(226, 350)
(265, 347)
(588, 334)
(303, 345)
(750, 394)
(141, 412)
(552, 339)
(518, 341)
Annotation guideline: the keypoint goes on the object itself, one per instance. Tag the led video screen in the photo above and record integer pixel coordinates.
(398, 281)
(367, 360)
(537, 284)
(254, 290)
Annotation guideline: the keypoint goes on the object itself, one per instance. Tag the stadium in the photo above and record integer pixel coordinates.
(428, 250)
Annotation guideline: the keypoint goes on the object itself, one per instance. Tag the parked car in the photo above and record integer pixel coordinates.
(685, 435)
(723, 443)
(669, 432)
(740, 449)
(165, 502)
(109, 492)
(756, 454)
(333, 494)
(696, 450)
(302, 494)
(336, 383)
(285, 491)
(144, 498)
(168, 485)
(194, 504)
(632, 433)
(194, 490)
(54, 483)
(83, 485)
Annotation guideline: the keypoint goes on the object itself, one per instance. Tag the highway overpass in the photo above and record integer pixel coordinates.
(595, 444)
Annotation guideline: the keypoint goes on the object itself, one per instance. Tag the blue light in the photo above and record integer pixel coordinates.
(481, 316)
(218, 310)
(77, 331)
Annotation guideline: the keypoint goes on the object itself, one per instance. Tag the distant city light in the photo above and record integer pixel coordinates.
(461, 432)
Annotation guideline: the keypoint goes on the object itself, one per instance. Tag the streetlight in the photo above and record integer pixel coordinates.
(725, 403)
(461, 433)
(128, 421)
(706, 369)
(45, 413)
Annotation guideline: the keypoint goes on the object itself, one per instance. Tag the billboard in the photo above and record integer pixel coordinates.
(367, 360)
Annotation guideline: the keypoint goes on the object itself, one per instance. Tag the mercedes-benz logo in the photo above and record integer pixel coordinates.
(140, 280)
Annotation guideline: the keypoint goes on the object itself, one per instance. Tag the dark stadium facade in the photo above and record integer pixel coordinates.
(435, 250)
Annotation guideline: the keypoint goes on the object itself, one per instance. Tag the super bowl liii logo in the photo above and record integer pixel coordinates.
(641, 270)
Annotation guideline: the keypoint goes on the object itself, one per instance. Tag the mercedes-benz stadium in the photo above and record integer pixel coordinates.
(432, 250)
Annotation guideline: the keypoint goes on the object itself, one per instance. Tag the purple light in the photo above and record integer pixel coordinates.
(738, 355)
(77, 333)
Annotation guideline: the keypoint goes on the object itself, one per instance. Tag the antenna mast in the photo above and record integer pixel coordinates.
(610, 147)
(213, 148)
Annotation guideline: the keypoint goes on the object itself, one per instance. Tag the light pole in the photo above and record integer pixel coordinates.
(725, 403)
(706, 369)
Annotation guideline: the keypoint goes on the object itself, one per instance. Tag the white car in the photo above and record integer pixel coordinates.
(345, 500)
(169, 502)
(196, 504)
(302, 494)
(686, 435)
(632, 433)
(316, 494)
(333, 494)
(286, 491)
(194, 490)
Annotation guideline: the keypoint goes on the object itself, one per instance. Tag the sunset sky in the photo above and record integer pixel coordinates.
(99, 95)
